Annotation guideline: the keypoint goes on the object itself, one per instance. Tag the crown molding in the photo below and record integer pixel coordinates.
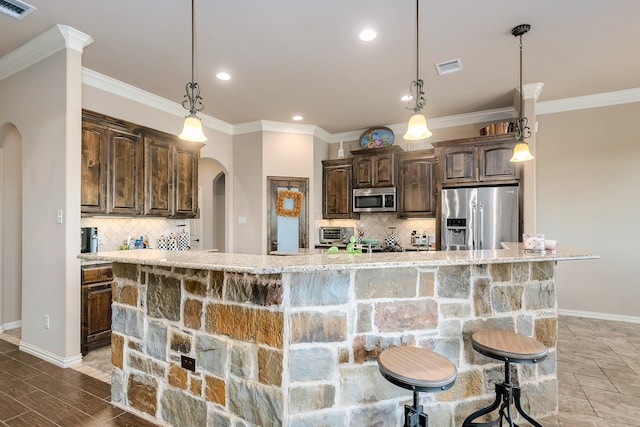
(117, 87)
(626, 96)
(532, 90)
(436, 123)
(273, 126)
(74, 39)
(41, 47)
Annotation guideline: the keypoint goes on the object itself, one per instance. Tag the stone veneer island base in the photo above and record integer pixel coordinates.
(293, 341)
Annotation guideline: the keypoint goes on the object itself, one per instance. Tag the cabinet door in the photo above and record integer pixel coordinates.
(363, 172)
(124, 172)
(158, 176)
(459, 164)
(93, 178)
(96, 316)
(495, 164)
(186, 182)
(336, 189)
(416, 187)
(384, 170)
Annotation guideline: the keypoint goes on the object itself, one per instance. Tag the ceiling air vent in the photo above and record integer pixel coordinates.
(15, 8)
(448, 67)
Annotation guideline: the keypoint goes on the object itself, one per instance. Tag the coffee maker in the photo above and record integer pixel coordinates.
(88, 239)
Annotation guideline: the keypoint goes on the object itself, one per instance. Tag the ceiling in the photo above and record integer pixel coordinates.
(290, 57)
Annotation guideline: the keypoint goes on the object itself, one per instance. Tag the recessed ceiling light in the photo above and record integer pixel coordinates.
(367, 35)
(406, 98)
(223, 76)
(297, 118)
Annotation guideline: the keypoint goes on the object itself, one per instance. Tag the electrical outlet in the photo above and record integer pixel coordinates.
(188, 363)
(46, 321)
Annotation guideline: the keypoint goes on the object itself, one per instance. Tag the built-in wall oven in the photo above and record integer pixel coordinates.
(374, 199)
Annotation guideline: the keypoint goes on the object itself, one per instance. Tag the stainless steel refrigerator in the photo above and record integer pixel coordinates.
(479, 217)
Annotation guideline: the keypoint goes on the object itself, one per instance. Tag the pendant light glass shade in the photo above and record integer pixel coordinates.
(521, 153)
(417, 128)
(192, 130)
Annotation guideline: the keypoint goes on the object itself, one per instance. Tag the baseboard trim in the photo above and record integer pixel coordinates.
(601, 316)
(11, 325)
(63, 362)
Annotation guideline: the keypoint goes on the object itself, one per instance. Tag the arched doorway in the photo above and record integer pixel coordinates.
(10, 228)
(211, 226)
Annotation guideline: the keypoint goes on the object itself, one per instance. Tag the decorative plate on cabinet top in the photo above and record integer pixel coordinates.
(379, 137)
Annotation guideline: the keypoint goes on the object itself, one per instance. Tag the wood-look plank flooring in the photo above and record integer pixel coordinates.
(35, 393)
(598, 381)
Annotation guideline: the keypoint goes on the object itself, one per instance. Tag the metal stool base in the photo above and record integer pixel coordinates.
(506, 393)
(414, 415)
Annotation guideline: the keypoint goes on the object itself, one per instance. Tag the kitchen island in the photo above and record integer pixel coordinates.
(293, 340)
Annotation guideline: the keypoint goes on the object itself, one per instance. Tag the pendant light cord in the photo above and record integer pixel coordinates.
(417, 40)
(193, 43)
(521, 113)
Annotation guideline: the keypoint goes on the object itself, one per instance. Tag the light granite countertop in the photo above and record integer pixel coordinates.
(268, 264)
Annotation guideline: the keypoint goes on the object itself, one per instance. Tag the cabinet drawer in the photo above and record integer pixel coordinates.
(97, 273)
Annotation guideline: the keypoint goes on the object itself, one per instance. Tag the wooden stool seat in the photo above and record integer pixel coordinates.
(508, 345)
(416, 368)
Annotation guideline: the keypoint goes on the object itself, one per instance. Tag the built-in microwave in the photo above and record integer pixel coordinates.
(374, 199)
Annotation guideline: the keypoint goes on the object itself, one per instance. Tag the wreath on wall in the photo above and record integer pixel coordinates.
(283, 195)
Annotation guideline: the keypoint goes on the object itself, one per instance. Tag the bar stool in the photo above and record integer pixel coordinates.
(508, 347)
(418, 370)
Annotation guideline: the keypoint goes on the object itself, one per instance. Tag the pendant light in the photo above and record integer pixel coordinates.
(521, 150)
(417, 127)
(192, 130)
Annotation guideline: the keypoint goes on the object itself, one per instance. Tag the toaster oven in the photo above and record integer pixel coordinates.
(334, 235)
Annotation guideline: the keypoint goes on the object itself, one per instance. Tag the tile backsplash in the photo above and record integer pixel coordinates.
(376, 226)
(112, 232)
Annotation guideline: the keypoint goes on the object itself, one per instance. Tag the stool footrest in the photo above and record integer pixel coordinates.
(505, 394)
(414, 417)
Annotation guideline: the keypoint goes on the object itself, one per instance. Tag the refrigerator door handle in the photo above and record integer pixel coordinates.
(474, 208)
(481, 223)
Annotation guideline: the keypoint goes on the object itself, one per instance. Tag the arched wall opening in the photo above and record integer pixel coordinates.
(10, 228)
(213, 204)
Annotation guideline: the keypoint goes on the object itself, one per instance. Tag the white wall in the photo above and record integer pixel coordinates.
(288, 155)
(247, 199)
(50, 138)
(588, 177)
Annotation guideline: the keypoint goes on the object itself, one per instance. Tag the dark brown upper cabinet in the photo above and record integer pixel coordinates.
(477, 160)
(337, 188)
(186, 181)
(93, 175)
(374, 167)
(416, 192)
(123, 195)
(158, 176)
(132, 170)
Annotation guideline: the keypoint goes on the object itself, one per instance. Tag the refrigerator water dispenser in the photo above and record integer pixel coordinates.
(456, 233)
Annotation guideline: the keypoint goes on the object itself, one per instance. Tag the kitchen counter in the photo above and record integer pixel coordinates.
(293, 340)
(266, 264)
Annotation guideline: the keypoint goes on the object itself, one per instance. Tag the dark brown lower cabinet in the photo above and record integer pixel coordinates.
(95, 318)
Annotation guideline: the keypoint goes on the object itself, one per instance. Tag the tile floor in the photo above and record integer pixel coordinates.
(35, 393)
(598, 377)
